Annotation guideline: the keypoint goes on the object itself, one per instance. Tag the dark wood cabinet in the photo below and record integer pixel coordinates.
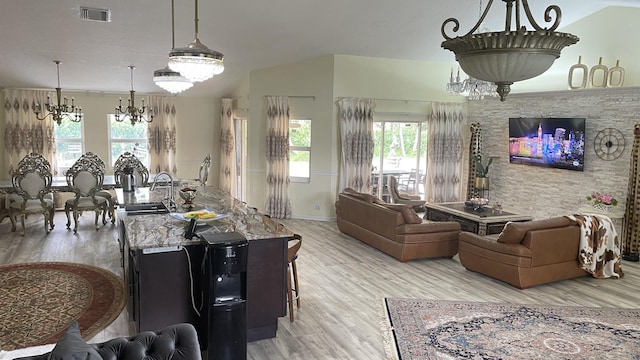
(164, 285)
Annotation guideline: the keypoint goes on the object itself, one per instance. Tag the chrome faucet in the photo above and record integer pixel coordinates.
(172, 203)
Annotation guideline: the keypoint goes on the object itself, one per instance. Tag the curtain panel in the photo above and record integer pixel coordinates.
(278, 203)
(24, 133)
(356, 133)
(444, 150)
(162, 135)
(227, 149)
(631, 223)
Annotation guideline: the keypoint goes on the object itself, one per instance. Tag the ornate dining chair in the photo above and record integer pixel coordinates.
(111, 199)
(203, 174)
(32, 183)
(139, 170)
(85, 178)
(292, 274)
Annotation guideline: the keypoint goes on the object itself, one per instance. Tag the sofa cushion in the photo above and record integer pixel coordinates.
(409, 215)
(514, 232)
(427, 227)
(71, 346)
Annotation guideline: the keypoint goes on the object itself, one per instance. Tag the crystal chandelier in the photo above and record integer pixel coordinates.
(195, 61)
(134, 114)
(504, 57)
(473, 89)
(62, 109)
(168, 79)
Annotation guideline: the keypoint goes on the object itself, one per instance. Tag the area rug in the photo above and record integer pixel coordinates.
(38, 301)
(429, 329)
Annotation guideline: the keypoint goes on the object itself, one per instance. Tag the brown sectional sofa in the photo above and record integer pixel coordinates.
(395, 229)
(525, 253)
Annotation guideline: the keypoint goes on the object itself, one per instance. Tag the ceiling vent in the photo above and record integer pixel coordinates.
(94, 14)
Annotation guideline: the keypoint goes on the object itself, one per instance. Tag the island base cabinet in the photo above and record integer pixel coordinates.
(162, 290)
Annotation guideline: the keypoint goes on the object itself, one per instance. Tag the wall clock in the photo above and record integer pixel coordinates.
(609, 144)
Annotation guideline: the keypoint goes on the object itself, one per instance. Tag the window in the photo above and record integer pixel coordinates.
(125, 137)
(299, 149)
(400, 151)
(69, 144)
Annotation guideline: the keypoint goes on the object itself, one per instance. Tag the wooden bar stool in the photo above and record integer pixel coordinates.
(292, 273)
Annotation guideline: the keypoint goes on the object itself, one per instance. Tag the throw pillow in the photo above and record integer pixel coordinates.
(409, 215)
(72, 347)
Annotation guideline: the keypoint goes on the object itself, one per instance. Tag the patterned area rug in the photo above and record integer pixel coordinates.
(38, 301)
(428, 329)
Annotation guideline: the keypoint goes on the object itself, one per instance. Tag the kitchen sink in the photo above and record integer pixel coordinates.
(146, 208)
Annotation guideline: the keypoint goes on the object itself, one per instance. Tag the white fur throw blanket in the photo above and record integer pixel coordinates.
(599, 252)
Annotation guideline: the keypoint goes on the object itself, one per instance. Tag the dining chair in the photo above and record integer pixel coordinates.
(292, 273)
(85, 178)
(111, 199)
(32, 183)
(140, 171)
(203, 174)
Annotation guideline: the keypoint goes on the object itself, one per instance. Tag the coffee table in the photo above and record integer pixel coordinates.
(484, 221)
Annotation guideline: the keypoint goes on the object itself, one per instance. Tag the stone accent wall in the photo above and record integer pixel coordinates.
(543, 192)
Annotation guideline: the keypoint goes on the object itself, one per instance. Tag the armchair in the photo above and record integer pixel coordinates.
(111, 199)
(403, 198)
(203, 174)
(127, 160)
(85, 177)
(32, 182)
(175, 342)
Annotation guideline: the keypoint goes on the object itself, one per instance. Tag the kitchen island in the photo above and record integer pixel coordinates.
(163, 269)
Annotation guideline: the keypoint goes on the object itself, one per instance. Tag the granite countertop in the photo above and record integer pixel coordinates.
(163, 230)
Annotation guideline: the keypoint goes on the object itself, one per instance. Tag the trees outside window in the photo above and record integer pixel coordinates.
(124, 137)
(299, 149)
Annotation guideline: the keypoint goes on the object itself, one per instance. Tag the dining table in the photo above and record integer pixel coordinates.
(59, 184)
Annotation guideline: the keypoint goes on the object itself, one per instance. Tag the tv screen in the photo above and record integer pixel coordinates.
(550, 142)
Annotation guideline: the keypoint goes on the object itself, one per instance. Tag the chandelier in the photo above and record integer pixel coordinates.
(473, 89)
(134, 114)
(504, 57)
(62, 109)
(168, 79)
(195, 61)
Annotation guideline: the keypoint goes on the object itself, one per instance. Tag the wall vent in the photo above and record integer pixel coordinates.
(95, 14)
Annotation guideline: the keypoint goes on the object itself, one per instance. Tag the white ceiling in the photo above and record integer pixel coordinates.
(251, 34)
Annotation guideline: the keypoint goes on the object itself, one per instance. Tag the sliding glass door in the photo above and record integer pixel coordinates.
(400, 151)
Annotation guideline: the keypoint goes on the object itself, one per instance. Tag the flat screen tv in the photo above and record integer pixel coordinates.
(549, 142)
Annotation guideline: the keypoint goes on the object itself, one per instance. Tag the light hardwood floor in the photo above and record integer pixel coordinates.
(343, 283)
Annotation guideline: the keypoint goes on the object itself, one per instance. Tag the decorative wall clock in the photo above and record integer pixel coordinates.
(609, 144)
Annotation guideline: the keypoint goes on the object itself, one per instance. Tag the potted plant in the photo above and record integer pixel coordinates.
(482, 181)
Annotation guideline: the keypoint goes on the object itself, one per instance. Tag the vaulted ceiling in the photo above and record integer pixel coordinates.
(251, 34)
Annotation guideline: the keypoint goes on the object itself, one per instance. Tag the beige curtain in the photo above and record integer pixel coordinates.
(24, 133)
(162, 135)
(444, 151)
(227, 149)
(356, 132)
(277, 153)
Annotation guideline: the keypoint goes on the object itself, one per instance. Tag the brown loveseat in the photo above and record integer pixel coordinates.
(525, 253)
(395, 229)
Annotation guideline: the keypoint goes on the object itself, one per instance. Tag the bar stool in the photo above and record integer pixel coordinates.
(292, 273)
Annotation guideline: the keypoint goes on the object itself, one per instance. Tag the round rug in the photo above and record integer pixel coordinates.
(38, 301)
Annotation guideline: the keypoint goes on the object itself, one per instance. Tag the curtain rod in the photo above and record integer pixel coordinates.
(397, 100)
(297, 96)
(400, 113)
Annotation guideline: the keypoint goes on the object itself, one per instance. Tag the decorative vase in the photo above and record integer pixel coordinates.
(603, 207)
(482, 183)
